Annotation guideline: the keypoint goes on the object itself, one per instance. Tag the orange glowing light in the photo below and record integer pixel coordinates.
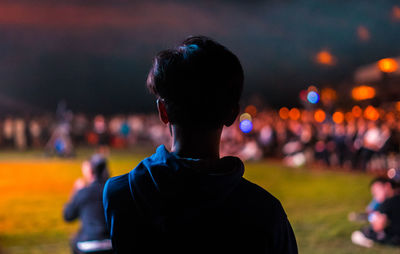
(325, 57)
(356, 111)
(338, 117)
(396, 13)
(371, 113)
(349, 117)
(363, 93)
(319, 115)
(398, 106)
(387, 65)
(252, 110)
(363, 33)
(390, 117)
(328, 95)
(294, 114)
(312, 88)
(284, 113)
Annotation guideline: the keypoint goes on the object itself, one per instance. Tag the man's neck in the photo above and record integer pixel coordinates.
(196, 143)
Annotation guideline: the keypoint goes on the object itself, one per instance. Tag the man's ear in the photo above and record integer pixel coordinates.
(232, 116)
(162, 111)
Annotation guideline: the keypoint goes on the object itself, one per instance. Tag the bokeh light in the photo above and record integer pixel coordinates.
(294, 114)
(338, 117)
(387, 65)
(371, 113)
(284, 113)
(319, 115)
(396, 13)
(246, 126)
(312, 88)
(348, 117)
(252, 110)
(313, 97)
(363, 33)
(245, 116)
(324, 57)
(328, 95)
(356, 111)
(303, 95)
(363, 93)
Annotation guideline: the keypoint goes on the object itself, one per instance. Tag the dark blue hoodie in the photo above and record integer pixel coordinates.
(169, 204)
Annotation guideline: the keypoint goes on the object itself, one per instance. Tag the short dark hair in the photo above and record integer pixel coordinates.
(98, 164)
(200, 82)
(383, 180)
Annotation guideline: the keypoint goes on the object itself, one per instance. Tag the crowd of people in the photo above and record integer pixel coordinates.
(353, 142)
(60, 136)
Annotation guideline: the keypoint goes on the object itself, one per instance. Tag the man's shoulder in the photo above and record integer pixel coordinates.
(393, 201)
(256, 196)
(117, 188)
(250, 188)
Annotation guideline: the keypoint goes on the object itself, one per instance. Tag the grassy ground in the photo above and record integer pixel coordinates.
(33, 190)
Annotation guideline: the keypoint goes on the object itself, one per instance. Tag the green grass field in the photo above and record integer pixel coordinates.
(33, 190)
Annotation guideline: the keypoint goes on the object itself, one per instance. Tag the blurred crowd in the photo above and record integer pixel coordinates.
(60, 136)
(364, 139)
(357, 139)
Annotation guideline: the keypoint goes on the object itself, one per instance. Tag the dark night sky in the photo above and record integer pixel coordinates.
(95, 54)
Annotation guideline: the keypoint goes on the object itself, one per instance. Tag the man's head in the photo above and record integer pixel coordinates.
(198, 84)
(95, 169)
(381, 189)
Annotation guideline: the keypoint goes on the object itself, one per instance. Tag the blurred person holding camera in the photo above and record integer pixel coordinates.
(86, 204)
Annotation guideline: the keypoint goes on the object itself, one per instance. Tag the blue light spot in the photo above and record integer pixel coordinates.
(246, 126)
(313, 97)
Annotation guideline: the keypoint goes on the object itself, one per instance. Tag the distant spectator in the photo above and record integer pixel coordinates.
(86, 205)
(384, 219)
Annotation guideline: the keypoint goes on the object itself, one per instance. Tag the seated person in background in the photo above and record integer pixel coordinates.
(86, 204)
(377, 199)
(384, 225)
(189, 200)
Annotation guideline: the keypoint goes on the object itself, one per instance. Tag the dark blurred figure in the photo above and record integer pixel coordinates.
(190, 200)
(86, 204)
(324, 145)
(384, 219)
(60, 142)
(340, 143)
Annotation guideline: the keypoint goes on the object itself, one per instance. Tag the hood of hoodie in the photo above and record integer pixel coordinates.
(166, 187)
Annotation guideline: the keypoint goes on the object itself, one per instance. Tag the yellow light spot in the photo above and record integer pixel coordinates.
(319, 115)
(387, 65)
(363, 93)
(245, 116)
